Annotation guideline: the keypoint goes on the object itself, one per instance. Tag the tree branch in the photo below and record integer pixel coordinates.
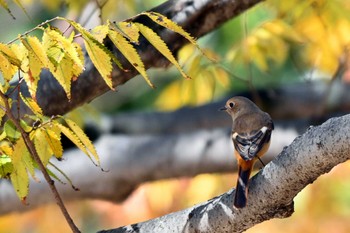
(136, 159)
(198, 17)
(271, 191)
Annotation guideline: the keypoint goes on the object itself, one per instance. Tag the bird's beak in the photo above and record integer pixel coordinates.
(223, 109)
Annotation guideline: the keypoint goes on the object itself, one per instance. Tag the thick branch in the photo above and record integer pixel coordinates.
(299, 101)
(198, 17)
(133, 160)
(271, 191)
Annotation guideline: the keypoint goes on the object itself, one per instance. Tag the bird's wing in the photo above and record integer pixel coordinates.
(248, 145)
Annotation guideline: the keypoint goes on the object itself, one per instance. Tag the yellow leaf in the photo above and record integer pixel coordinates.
(2, 112)
(221, 76)
(100, 56)
(32, 105)
(167, 23)
(204, 86)
(19, 177)
(37, 60)
(129, 52)
(195, 66)
(64, 74)
(100, 32)
(73, 137)
(83, 138)
(5, 148)
(128, 30)
(65, 61)
(101, 60)
(54, 142)
(185, 53)
(22, 56)
(169, 97)
(160, 45)
(44, 151)
(9, 62)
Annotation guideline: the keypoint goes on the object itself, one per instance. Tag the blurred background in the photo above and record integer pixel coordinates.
(277, 44)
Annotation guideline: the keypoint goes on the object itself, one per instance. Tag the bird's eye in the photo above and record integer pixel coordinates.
(231, 104)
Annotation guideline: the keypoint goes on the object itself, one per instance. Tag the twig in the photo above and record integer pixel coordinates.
(31, 148)
(33, 29)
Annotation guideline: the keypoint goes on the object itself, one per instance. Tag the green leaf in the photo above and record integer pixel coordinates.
(63, 174)
(11, 130)
(160, 45)
(130, 53)
(6, 167)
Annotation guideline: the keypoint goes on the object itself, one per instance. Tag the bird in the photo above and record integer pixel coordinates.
(251, 135)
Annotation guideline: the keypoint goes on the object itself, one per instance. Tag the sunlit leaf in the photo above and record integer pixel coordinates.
(130, 53)
(2, 109)
(167, 23)
(160, 45)
(82, 137)
(5, 148)
(44, 151)
(65, 61)
(100, 56)
(19, 176)
(32, 105)
(128, 30)
(37, 60)
(100, 32)
(73, 137)
(54, 141)
(8, 62)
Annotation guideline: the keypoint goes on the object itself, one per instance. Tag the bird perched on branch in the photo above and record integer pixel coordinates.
(251, 134)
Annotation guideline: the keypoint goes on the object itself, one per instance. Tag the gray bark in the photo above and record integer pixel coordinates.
(130, 160)
(271, 191)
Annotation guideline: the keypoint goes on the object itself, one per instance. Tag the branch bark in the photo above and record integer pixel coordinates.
(271, 191)
(198, 17)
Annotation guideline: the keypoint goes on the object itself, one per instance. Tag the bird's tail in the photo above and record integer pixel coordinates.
(240, 200)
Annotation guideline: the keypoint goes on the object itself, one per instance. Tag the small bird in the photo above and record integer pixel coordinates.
(251, 134)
